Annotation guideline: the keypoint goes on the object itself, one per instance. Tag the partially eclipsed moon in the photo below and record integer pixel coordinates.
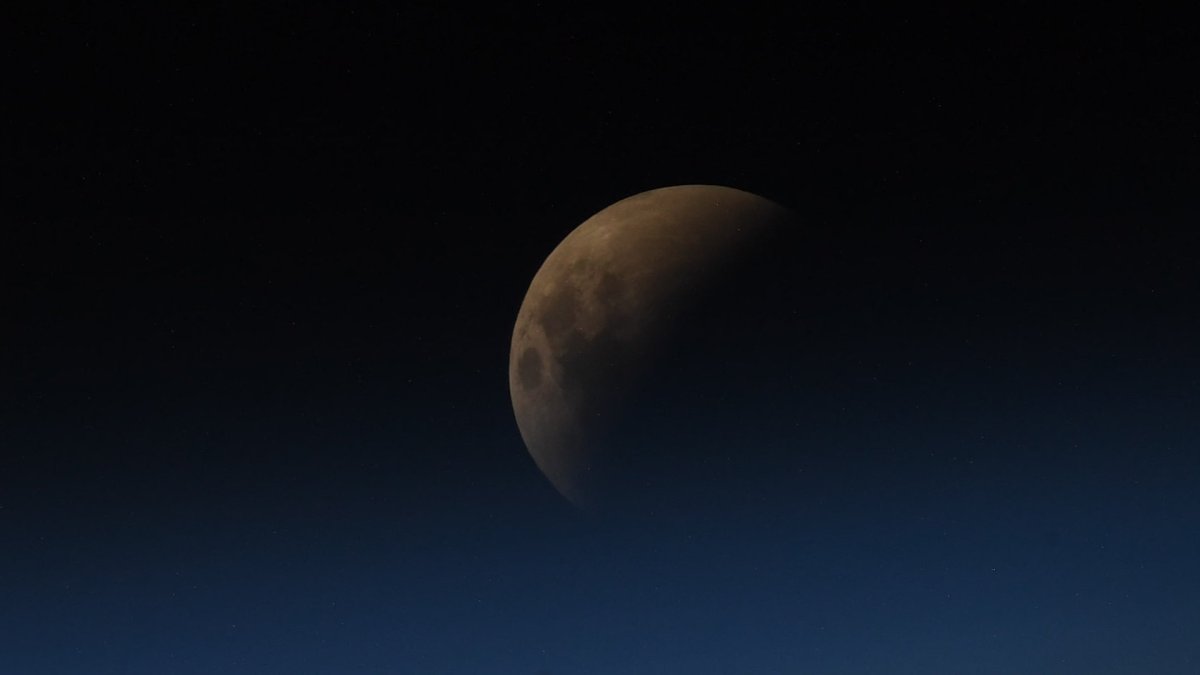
(599, 306)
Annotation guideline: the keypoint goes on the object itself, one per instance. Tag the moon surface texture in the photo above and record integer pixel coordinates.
(600, 316)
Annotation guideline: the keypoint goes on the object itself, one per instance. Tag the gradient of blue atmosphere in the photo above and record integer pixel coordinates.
(1037, 519)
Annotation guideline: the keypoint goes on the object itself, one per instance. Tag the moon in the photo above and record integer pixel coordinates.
(602, 311)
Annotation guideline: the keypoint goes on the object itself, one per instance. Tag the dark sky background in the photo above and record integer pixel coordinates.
(260, 270)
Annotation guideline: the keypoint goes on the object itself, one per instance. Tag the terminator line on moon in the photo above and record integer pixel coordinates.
(598, 305)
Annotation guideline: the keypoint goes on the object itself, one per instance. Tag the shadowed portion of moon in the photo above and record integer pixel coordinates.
(602, 316)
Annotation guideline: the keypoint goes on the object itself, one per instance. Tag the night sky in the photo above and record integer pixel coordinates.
(259, 272)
